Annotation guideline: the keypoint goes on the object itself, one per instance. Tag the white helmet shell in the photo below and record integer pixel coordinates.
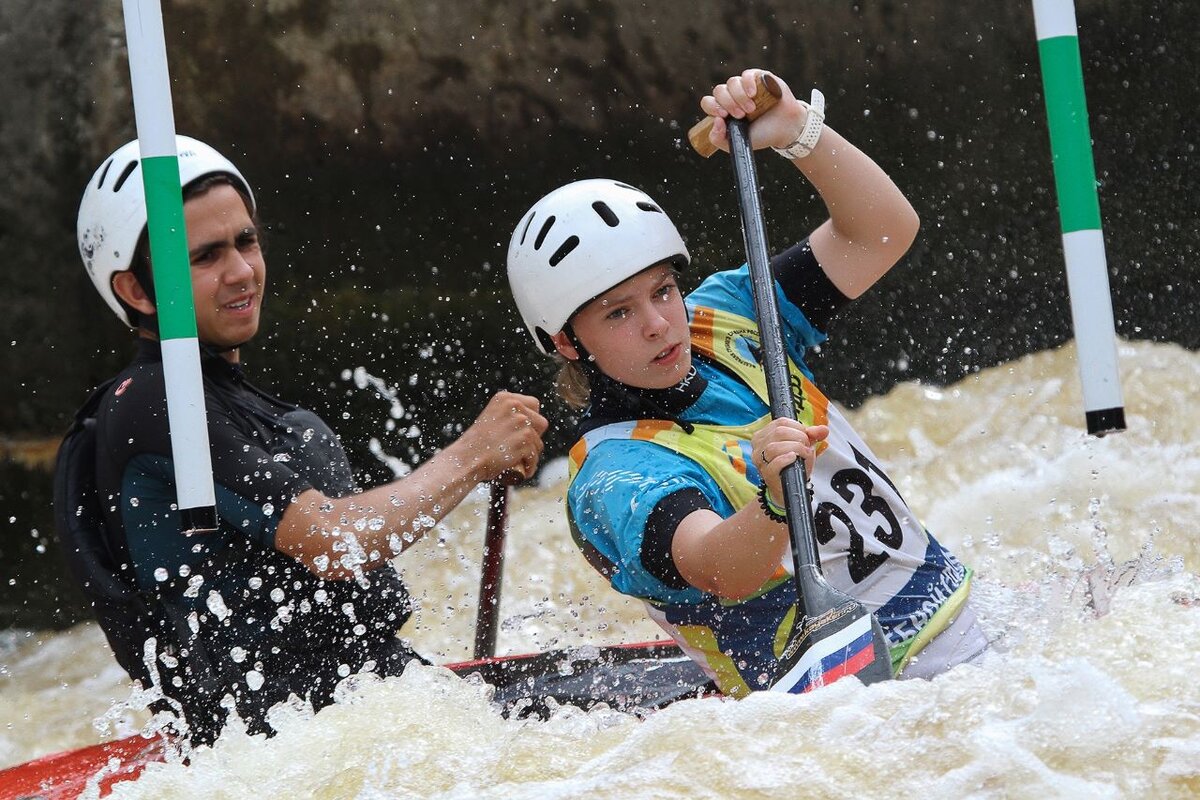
(112, 213)
(578, 242)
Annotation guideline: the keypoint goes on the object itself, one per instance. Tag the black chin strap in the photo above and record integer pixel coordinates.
(586, 360)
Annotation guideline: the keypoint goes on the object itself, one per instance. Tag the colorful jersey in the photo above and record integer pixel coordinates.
(872, 546)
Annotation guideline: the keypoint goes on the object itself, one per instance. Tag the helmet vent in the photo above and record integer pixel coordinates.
(528, 222)
(606, 214)
(104, 173)
(129, 168)
(644, 206)
(564, 250)
(541, 237)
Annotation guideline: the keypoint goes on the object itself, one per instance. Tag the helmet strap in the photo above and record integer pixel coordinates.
(148, 323)
(586, 360)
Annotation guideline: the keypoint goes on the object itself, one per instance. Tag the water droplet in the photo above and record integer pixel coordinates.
(254, 680)
(194, 584)
(216, 604)
(161, 574)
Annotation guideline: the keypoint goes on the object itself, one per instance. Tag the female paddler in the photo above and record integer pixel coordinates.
(675, 492)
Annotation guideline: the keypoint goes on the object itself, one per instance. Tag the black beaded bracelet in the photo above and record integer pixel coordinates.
(772, 511)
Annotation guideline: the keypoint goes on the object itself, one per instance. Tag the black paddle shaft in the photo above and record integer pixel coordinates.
(815, 652)
(805, 559)
(491, 572)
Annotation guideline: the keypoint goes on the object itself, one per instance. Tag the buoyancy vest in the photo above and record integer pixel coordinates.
(197, 656)
(872, 545)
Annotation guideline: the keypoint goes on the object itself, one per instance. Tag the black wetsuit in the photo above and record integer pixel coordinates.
(246, 620)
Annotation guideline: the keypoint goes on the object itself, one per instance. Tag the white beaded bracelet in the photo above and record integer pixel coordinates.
(813, 126)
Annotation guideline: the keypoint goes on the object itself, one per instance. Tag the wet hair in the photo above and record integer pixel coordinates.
(140, 264)
(572, 383)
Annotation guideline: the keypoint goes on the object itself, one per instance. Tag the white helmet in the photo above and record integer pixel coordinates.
(578, 242)
(112, 213)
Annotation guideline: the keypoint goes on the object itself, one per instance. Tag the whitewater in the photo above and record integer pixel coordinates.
(1087, 556)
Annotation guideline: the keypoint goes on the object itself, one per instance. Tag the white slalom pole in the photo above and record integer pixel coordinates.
(172, 271)
(1079, 212)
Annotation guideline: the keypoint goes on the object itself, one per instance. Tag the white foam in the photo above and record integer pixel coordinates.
(1087, 554)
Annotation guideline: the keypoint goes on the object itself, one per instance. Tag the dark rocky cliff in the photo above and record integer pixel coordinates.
(394, 144)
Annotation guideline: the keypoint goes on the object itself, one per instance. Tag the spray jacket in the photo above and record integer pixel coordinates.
(223, 615)
(631, 468)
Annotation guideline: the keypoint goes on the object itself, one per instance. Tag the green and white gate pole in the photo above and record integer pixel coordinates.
(171, 265)
(1079, 212)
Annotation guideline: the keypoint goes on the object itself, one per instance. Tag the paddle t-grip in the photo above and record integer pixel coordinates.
(765, 98)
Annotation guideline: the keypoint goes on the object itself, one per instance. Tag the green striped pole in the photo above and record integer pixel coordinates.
(172, 270)
(1079, 212)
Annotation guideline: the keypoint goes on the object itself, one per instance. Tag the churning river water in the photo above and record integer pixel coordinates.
(1087, 554)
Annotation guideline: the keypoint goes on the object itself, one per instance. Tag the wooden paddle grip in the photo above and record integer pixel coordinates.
(765, 98)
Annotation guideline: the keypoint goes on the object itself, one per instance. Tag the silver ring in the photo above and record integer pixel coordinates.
(763, 455)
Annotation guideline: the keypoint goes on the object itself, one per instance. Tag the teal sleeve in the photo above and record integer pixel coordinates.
(611, 499)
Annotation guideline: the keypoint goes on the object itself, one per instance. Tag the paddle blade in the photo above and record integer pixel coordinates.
(845, 640)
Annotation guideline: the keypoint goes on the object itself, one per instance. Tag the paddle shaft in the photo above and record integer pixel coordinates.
(835, 635)
(492, 572)
(805, 559)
